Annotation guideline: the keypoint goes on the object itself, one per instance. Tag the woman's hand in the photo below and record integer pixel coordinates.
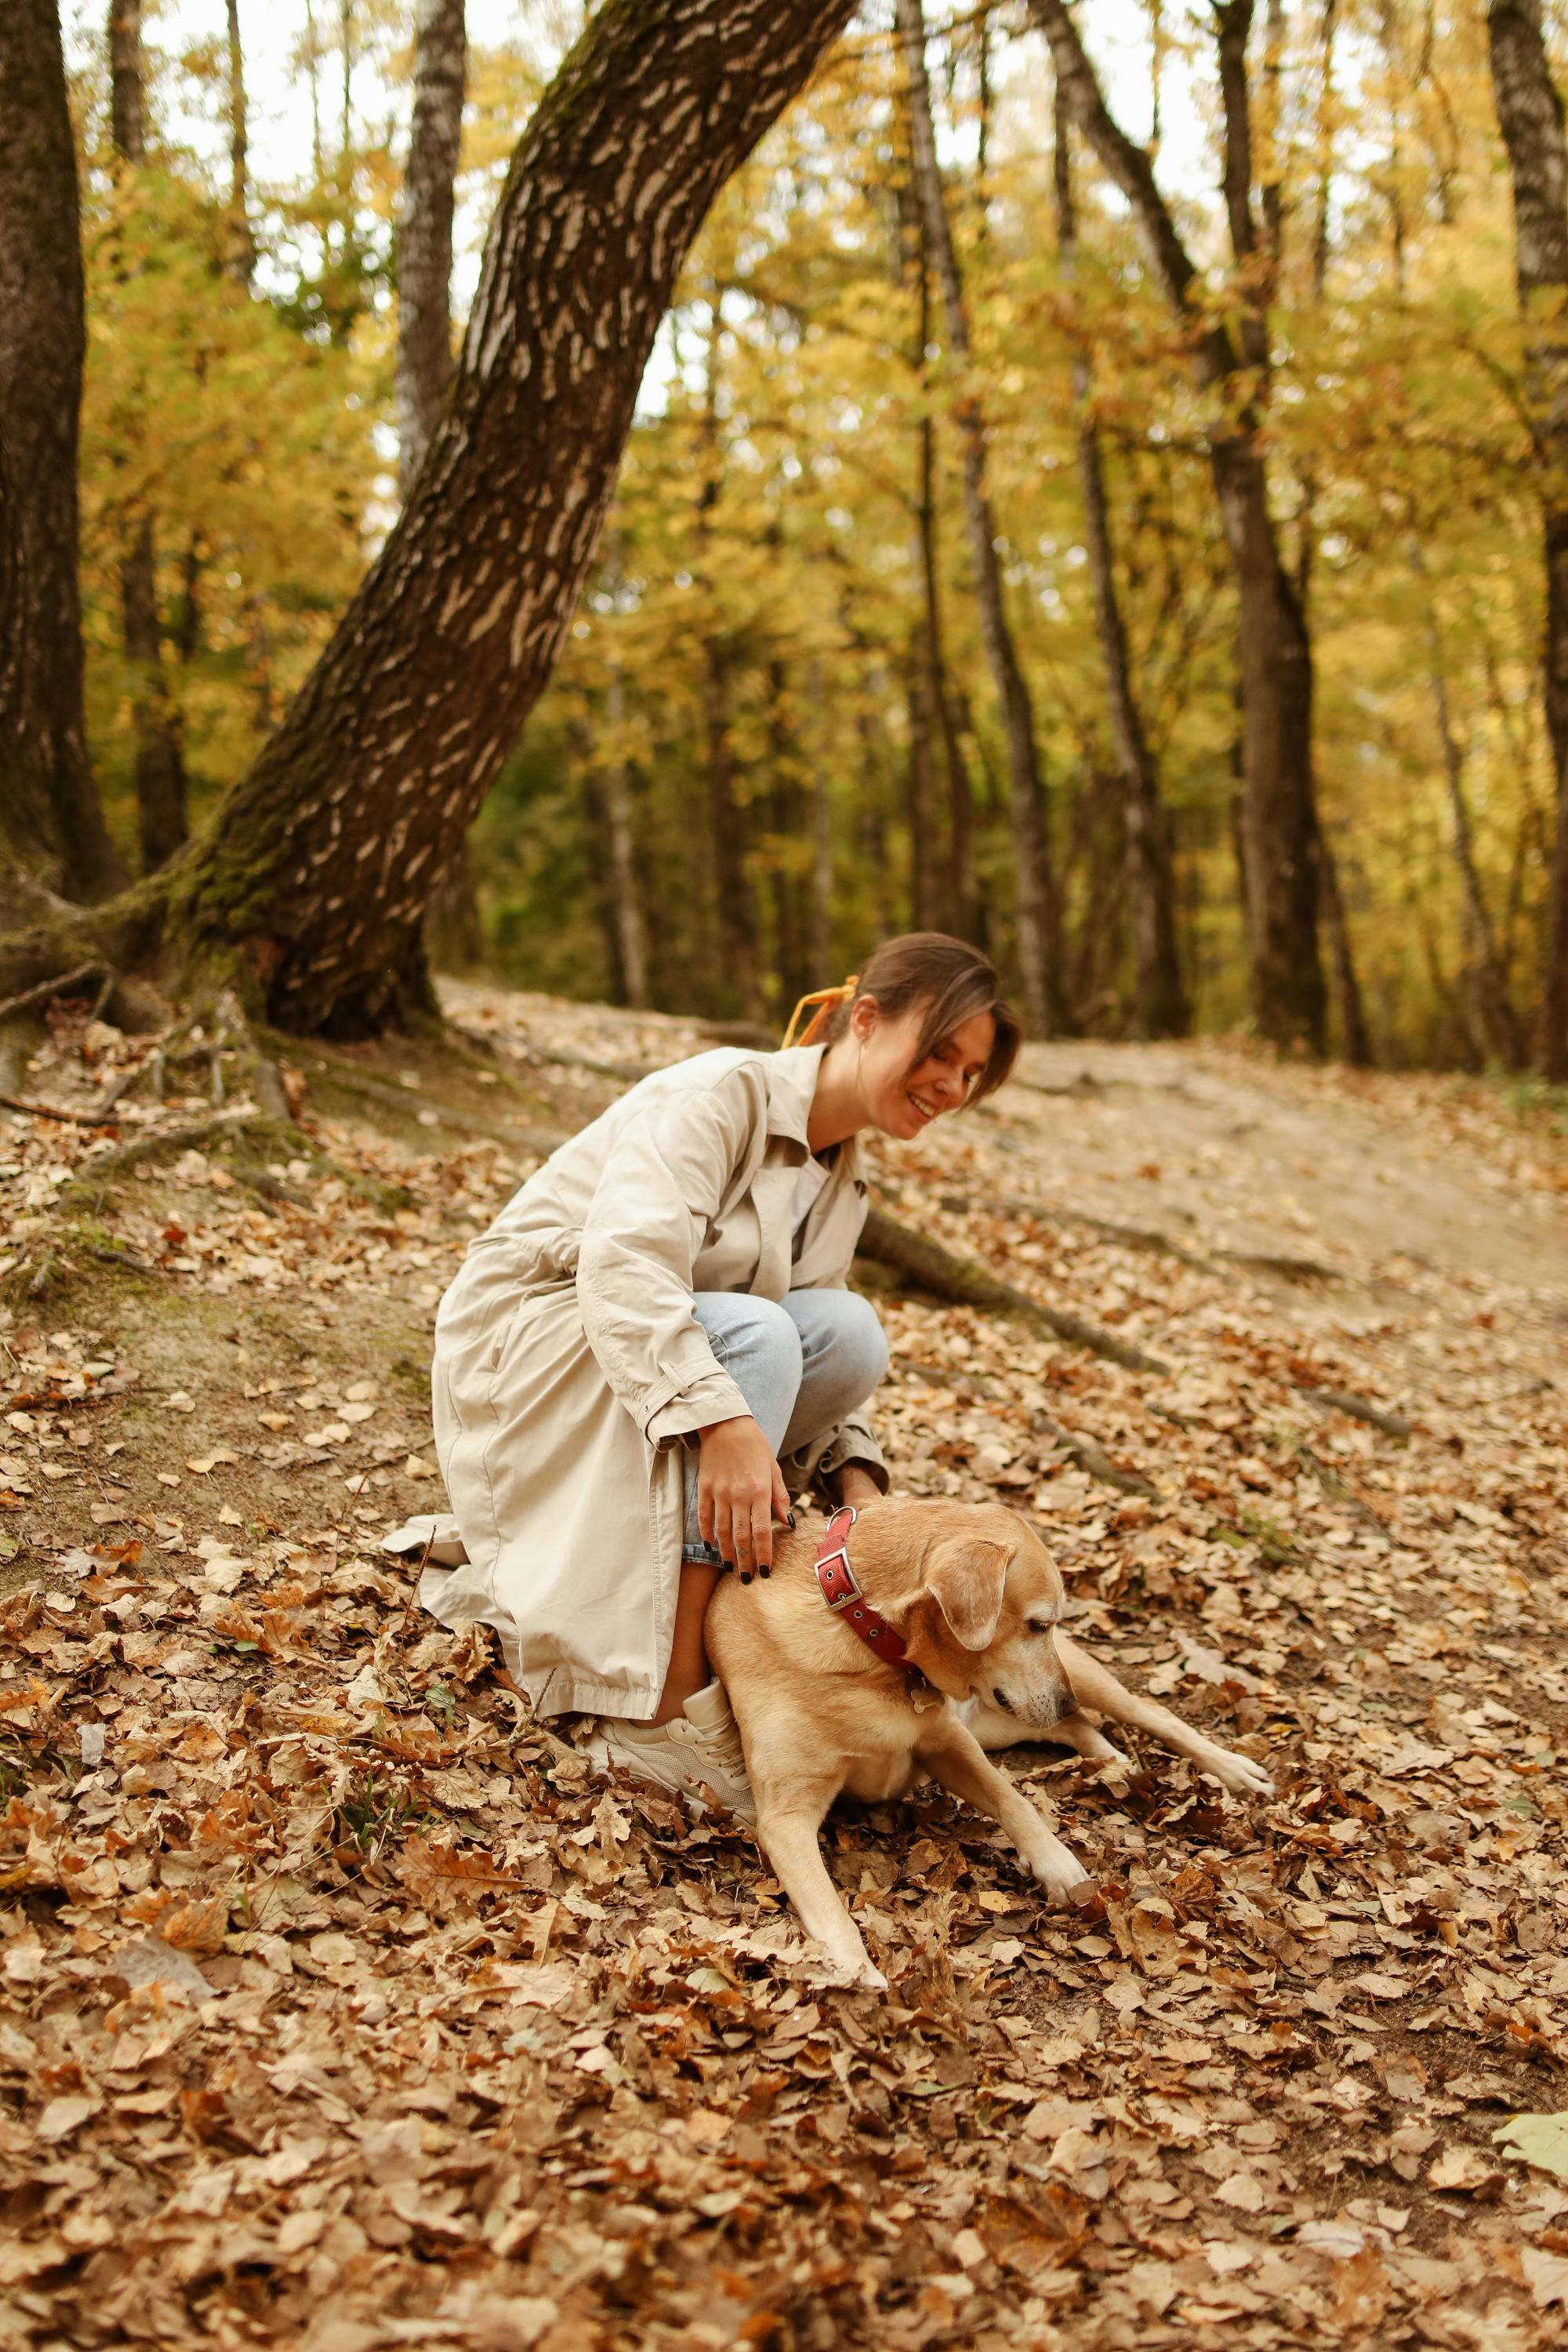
(739, 1493)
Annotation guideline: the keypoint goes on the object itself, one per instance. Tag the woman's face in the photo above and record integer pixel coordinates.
(903, 1095)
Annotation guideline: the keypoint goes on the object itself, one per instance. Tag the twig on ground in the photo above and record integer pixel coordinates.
(51, 1110)
(965, 1283)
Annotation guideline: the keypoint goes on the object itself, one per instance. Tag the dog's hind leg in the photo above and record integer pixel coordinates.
(1097, 1686)
(951, 1754)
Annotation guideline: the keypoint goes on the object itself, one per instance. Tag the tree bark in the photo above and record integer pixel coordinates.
(1530, 114)
(314, 877)
(1274, 654)
(1158, 999)
(50, 820)
(424, 366)
(159, 767)
(1038, 912)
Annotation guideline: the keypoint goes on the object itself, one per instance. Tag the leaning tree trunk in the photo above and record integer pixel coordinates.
(1038, 912)
(424, 366)
(160, 763)
(50, 820)
(1158, 999)
(1529, 113)
(1279, 826)
(314, 876)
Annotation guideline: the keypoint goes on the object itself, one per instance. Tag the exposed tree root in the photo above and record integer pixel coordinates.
(61, 985)
(1359, 1408)
(1081, 1452)
(1092, 1460)
(143, 1150)
(967, 1284)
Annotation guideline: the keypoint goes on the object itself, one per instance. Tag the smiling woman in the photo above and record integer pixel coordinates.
(652, 1351)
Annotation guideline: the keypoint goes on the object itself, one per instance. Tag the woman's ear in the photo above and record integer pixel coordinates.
(966, 1576)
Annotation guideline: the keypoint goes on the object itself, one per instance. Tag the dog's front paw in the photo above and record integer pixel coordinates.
(1061, 1872)
(1239, 1774)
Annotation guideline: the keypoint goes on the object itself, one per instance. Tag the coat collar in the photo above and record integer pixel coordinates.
(792, 1075)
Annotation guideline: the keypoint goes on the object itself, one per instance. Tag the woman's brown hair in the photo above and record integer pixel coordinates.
(950, 980)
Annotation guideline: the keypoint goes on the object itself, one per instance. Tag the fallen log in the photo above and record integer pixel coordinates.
(965, 1282)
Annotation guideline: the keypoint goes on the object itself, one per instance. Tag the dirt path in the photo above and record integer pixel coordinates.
(341, 2009)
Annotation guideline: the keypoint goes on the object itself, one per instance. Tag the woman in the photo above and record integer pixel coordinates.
(652, 1351)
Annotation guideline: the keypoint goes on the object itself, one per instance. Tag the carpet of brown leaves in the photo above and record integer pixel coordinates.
(341, 2007)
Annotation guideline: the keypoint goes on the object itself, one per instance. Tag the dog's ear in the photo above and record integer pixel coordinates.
(966, 1576)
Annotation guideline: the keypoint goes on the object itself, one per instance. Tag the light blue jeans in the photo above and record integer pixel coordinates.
(802, 1363)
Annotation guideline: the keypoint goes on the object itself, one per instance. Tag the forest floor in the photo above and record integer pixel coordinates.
(341, 2007)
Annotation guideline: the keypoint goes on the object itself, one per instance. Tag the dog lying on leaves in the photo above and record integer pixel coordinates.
(930, 1635)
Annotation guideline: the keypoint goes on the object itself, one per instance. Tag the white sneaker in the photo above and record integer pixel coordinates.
(694, 1756)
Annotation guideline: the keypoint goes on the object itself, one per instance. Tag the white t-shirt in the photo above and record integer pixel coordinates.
(808, 1184)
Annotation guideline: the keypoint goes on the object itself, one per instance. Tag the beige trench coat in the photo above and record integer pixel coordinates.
(569, 1369)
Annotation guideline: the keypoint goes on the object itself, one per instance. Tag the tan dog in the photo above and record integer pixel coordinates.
(976, 1600)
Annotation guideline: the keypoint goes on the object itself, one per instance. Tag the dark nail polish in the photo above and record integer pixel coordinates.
(764, 1572)
(746, 1576)
(790, 1522)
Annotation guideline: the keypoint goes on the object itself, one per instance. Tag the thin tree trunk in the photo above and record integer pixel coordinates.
(1038, 912)
(920, 793)
(346, 51)
(50, 820)
(424, 366)
(1529, 113)
(313, 47)
(821, 901)
(159, 766)
(1355, 1036)
(1274, 654)
(1158, 999)
(734, 916)
(243, 255)
(964, 906)
(626, 900)
(1356, 1039)
(1493, 1010)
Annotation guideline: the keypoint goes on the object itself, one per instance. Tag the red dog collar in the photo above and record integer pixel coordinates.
(843, 1595)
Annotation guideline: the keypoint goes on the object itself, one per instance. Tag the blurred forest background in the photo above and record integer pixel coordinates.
(784, 724)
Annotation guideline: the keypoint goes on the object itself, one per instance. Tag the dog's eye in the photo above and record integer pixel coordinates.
(1047, 1626)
